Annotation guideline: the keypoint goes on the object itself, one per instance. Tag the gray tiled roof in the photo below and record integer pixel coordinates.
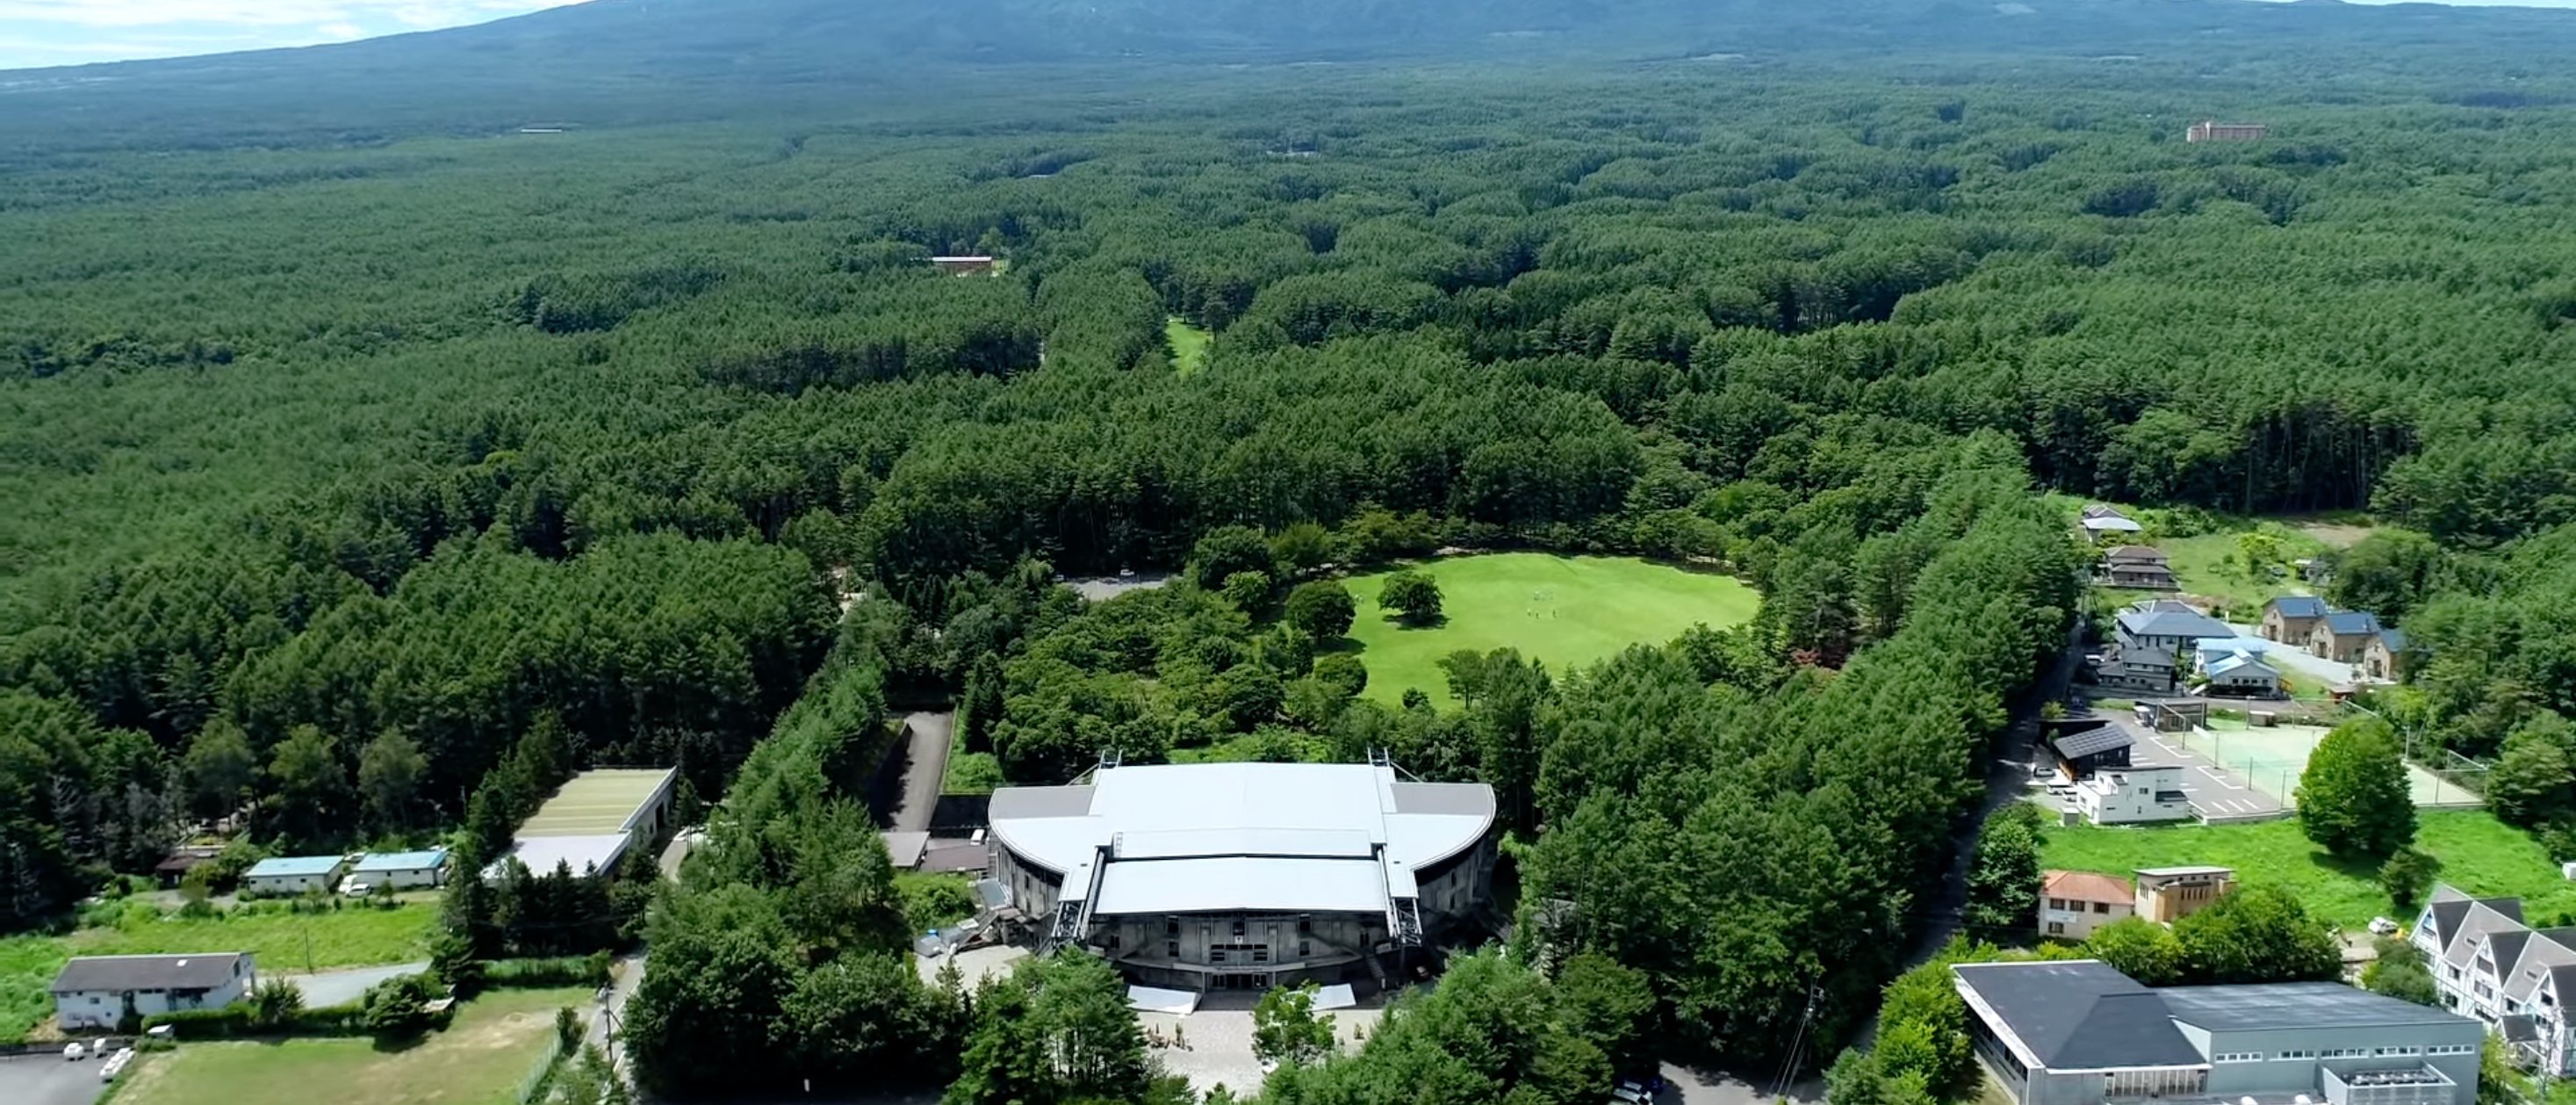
(2301, 1004)
(2300, 606)
(2173, 623)
(119, 973)
(2081, 1015)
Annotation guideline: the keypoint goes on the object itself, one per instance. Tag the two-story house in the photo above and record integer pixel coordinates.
(2143, 567)
(2342, 635)
(2152, 639)
(2292, 619)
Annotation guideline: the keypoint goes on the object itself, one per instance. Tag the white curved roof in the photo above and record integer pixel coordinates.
(1189, 837)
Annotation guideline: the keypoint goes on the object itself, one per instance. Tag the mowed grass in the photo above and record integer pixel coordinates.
(1189, 344)
(28, 965)
(2479, 854)
(495, 1043)
(353, 936)
(1564, 611)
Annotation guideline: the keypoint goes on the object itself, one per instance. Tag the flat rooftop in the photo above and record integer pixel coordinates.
(597, 803)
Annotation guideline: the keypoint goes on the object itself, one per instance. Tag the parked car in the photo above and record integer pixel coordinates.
(73, 1051)
(2383, 926)
(354, 889)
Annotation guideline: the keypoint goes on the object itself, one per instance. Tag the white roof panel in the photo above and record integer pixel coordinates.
(1242, 885)
(1171, 844)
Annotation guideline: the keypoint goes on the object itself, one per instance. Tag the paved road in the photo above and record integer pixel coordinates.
(50, 1080)
(608, 1018)
(1701, 1087)
(342, 987)
(2301, 661)
(925, 767)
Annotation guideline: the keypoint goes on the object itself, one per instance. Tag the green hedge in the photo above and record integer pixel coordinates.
(546, 974)
(233, 1022)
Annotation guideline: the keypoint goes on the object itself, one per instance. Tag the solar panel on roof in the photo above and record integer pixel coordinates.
(2094, 741)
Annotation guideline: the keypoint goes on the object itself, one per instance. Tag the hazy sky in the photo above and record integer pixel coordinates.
(74, 32)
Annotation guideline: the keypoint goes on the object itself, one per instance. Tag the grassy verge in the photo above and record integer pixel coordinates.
(480, 1060)
(28, 965)
(2479, 854)
(2208, 566)
(1565, 611)
(1189, 344)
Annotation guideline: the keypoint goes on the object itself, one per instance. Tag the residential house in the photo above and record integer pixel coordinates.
(2074, 903)
(2102, 523)
(2134, 795)
(294, 874)
(2152, 638)
(2488, 964)
(2241, 675)
(977, 265)
(2169, 894)
(175, 867)
(2342, 635)
(101, 991)
(2140, 566)
(2082, 753)
(2385, 657)
(2080, 1033)
(2291, 619)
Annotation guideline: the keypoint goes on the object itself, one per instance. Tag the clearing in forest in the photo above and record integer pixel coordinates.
(1565, 611)
(485, 1057)
(1189, 344)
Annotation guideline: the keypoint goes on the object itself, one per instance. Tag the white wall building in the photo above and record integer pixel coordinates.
(2133, 795)
(99, 991)
(2514, 979)
(1245, 876)
(2074, 903)
(289, 875)
(403, 870)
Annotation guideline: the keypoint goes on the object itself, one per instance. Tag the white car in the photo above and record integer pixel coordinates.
(355, 889)
(73, 1052)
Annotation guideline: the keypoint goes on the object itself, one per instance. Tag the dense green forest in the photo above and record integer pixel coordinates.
(372, 464)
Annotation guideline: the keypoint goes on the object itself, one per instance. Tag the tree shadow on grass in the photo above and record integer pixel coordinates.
(1409, 624)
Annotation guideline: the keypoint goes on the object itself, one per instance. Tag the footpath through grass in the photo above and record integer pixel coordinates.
(2479, 854)
(1565, 611)
(480, 1060)
(1189, 344)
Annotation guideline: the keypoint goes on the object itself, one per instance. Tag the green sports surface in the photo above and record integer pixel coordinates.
(1564, 611)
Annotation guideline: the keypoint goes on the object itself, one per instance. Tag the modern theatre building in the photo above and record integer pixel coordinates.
(1245, 876)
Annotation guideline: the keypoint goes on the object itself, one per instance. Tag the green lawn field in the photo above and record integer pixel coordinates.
(1565, 611)
(353, 936)
(2479, 854)
(28, 965)
(1189, 344)
(482, 1059)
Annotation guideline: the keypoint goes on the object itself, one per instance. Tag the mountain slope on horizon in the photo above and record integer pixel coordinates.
(599, 62)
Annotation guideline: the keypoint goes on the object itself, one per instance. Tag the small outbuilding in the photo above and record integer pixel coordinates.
(402, 870)
(101, 991)
(294, 874)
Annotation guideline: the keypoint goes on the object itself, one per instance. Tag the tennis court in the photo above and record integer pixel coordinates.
(603, 803)
(2272, 758)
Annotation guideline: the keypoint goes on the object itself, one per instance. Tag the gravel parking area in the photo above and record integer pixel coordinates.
(49, 1080)
(1215, 1045)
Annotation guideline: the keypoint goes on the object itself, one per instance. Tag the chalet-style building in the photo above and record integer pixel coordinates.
(2488, 964)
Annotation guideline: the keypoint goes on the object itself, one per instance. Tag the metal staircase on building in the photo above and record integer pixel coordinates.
(1073, 915)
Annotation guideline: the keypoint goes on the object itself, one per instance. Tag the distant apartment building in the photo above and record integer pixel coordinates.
(2215, 131)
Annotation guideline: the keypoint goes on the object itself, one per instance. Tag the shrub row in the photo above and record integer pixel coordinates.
(234, 1022)
(540, 974)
